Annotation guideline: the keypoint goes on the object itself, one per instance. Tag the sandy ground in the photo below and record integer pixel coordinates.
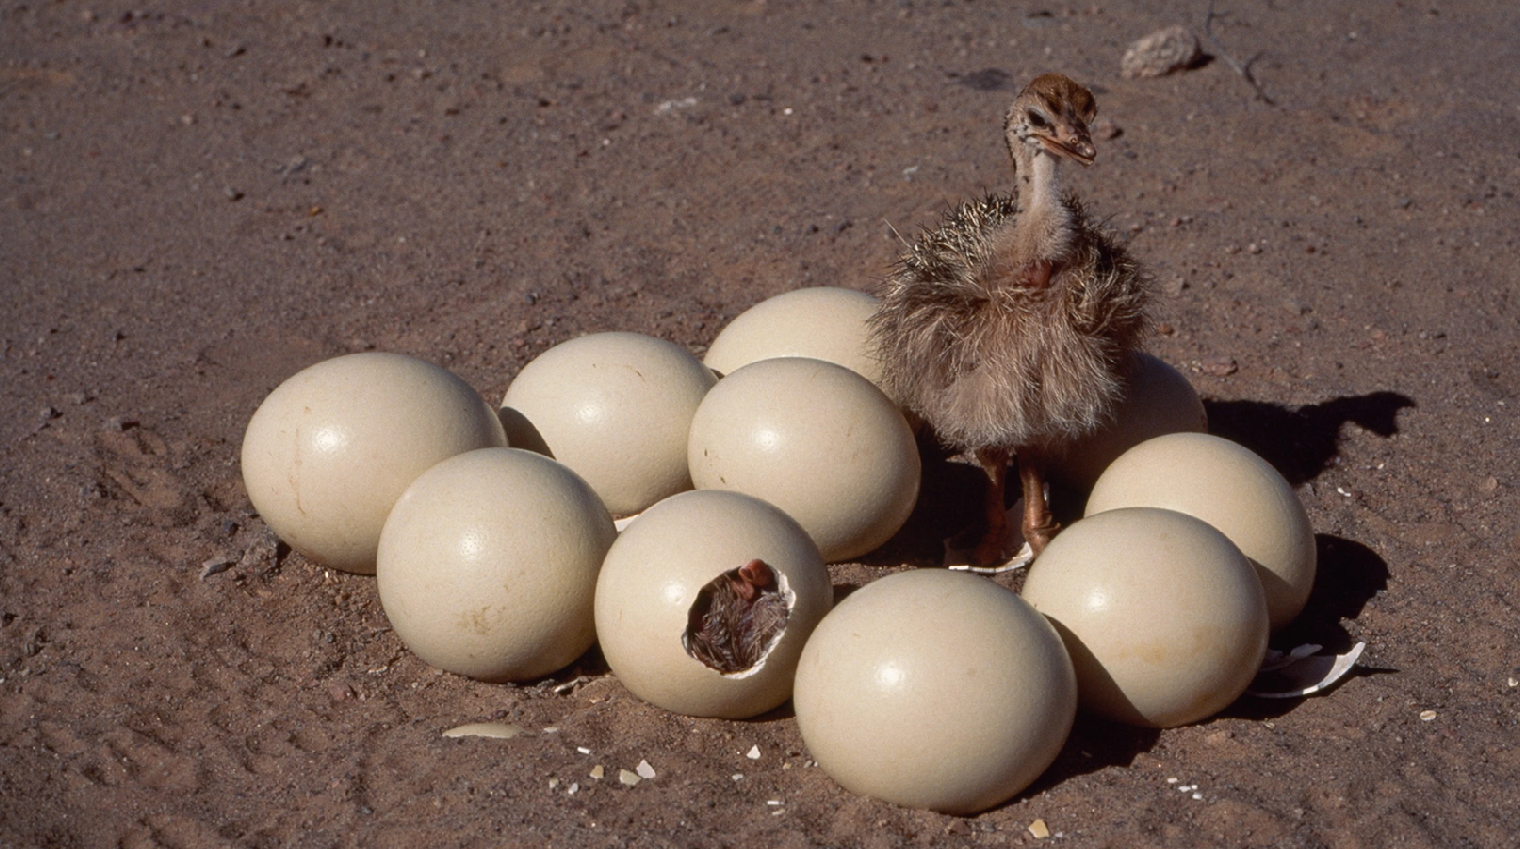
(197, 199)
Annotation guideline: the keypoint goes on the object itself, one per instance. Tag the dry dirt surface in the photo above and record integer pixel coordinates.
(197, 199)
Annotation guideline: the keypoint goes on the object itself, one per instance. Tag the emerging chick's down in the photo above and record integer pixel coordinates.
(1008, 328)
(737, 618)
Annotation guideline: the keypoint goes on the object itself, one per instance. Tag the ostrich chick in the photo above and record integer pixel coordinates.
(737, 618)
(1009, 328)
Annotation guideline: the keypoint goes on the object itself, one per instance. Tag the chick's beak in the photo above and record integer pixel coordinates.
(1071, 142)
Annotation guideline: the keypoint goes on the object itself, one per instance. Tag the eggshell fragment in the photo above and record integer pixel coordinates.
(488, 565)
(1231, 488)
(1301, 672)
(615, 408)
(935, 689)
(657, 572)
(494, 730)
(332, 448)
(822, 322)
(1157, 400)
(1163, 616)
(815, 439)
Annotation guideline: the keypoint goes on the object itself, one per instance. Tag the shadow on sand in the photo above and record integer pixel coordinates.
(1300, 442)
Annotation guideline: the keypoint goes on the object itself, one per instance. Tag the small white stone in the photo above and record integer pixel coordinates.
(753, 753)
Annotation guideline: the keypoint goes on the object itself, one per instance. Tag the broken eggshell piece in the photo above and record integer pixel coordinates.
(676, 566)
(1301, 672)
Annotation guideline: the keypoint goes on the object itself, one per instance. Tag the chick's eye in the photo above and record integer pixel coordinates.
(1037, 120)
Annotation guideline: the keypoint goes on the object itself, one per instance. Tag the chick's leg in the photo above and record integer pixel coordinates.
(990, 550)
(1039, 524)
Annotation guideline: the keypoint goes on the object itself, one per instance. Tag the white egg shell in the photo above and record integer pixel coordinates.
(653, 575)
(488, 565)
(1231, 488)
(823, 322)
(1162, 615)
(935, 689)
(332, 448)
(815, 439)
(615, 408)
(1157, 400)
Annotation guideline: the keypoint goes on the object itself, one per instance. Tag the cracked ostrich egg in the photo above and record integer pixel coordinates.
(488, 565)
(935, 689)
(1163, 616)
(1157, 400)
(615, 408)
(332, 448)
(815, 439)
(1231, 488)
(704, 603)
(822, 322)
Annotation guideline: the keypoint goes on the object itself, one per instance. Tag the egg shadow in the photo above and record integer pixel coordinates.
(522, 433)
(950, 495)
(1348, 575)
(1302, 442)
(1093, 745)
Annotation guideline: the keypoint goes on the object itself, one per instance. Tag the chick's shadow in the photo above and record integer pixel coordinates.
(1302, 442)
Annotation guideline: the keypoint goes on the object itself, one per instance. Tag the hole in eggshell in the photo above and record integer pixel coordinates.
(737, 619)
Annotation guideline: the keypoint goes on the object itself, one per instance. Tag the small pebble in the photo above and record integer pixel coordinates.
(645, 770)
(598, 771)
(1220, 366)
(1427, 715)
(629, 778)
(1160, 53)
(753, 753)
(217, 565)
(1039, 830)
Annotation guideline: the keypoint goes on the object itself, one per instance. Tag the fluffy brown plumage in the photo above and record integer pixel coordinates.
(1008, 366)
(1008, 328)
(737, 618)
